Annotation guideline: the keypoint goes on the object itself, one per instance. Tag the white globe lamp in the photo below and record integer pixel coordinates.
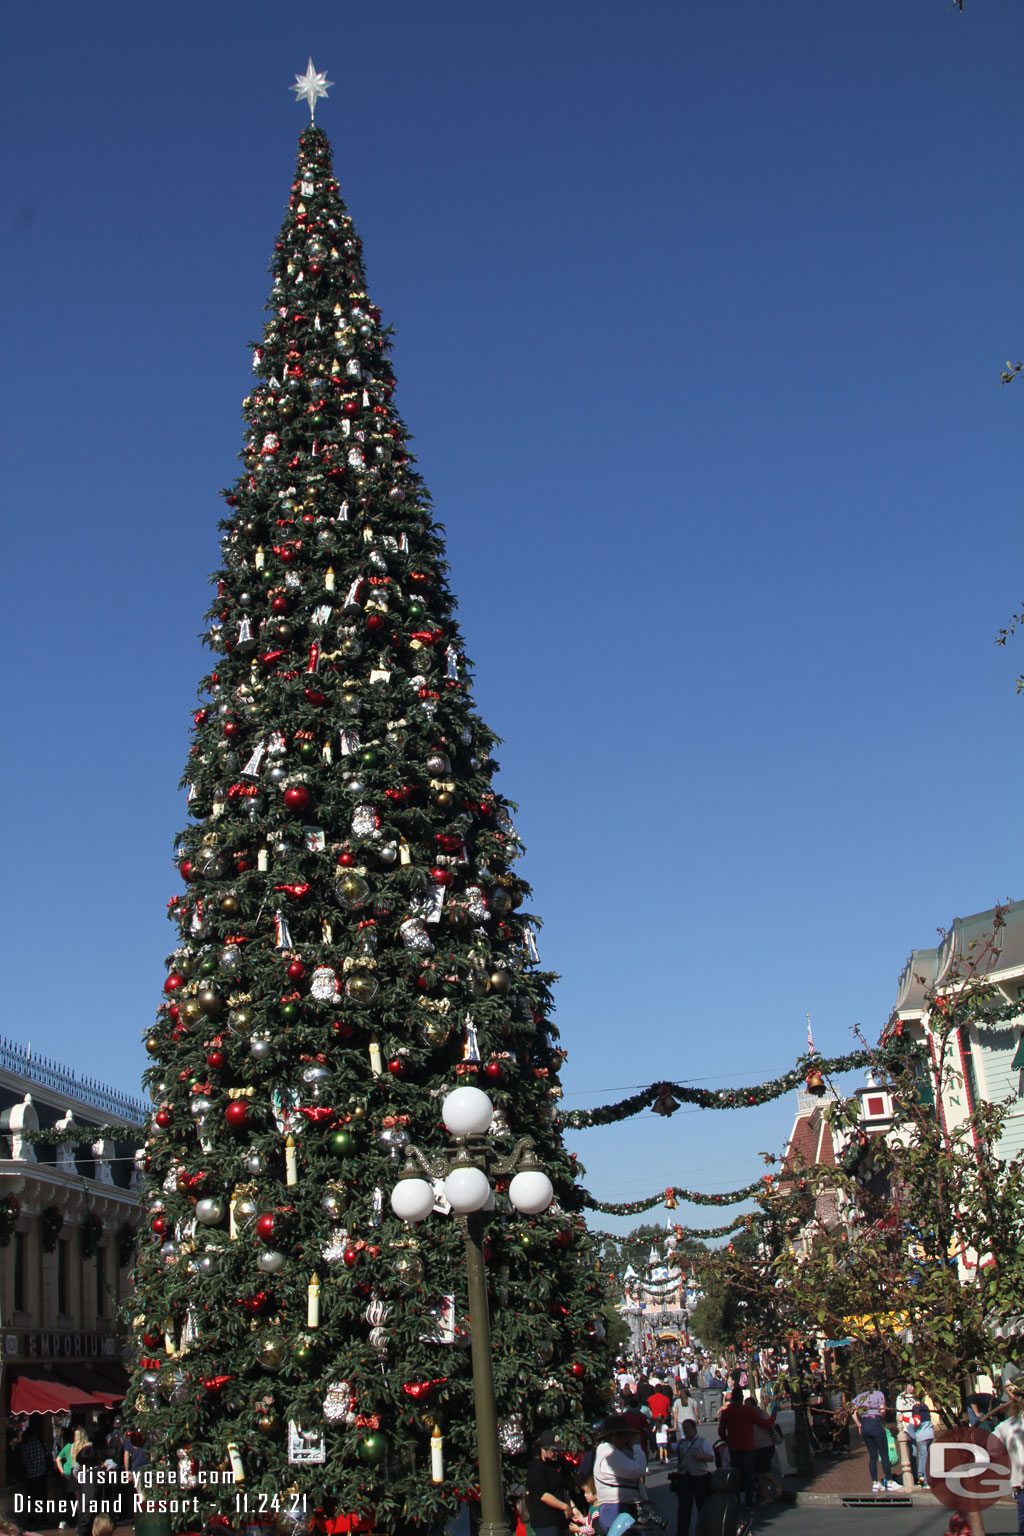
(467, 1112)
(412, 1199)
(531, 1192)
(467, 1189)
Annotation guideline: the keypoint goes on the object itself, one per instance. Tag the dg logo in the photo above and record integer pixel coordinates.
(968, 1469)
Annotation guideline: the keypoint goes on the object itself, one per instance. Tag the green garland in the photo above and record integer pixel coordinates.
(9, 1212)
(666, 1097)
(85, 1135)
(687, 1196)
(695, 1232)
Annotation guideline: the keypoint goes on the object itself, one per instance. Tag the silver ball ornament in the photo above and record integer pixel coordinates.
(210, 1211)
(270, 1261)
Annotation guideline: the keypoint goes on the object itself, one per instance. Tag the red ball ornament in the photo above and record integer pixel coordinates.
(494, 1072)
(158, 1226)
(296, 971)
(347, 859)
(215, 1060)
(314, 696)
(375, 622)
(152, 1340)
(185, 870)
(298, 798)
(279, 604)
(231, 729)
(442, 876)
(350, 408)
(163, 1118)
(286, 555)
(578, 1370)
(237, 1114)
(350, 1258)
(396, 1066)
(564, 1238)
(242, 863)
(265, 1226)
(173, 982)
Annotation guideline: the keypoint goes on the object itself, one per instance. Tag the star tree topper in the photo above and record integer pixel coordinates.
(310, 86)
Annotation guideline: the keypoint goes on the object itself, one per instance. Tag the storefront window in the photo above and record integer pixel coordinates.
(19, 1271)
(62, 1277)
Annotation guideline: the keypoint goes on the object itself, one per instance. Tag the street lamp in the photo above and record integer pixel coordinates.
(467, 1172)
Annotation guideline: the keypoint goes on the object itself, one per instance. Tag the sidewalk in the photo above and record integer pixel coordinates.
(836, 1478)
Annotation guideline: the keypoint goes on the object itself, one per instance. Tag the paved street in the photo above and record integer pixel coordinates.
(784, 1519)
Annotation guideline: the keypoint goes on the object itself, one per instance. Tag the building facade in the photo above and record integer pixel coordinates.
(988, 1060)
(69, 1216)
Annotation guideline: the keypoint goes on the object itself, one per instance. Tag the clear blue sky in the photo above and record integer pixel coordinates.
(700, 313)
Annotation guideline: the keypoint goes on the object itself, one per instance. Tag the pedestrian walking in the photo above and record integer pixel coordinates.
(620, 1464)
(1011, 1433)
(869, 1417)
(692, 1478)
(736, 1427)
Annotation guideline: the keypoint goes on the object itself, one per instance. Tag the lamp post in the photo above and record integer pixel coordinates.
(467, 1172)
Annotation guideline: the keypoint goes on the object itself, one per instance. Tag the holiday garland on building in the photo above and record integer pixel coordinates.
(353, 944)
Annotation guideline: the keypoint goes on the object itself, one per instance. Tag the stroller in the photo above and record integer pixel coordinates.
(645, 1519)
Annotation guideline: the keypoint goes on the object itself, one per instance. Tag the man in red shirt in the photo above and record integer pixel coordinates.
(736, 1427)
(659, 1403)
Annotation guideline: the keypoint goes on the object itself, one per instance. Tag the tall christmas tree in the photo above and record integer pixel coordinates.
(353, 945)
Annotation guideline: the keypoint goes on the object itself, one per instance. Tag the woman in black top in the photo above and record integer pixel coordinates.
(550, 1509)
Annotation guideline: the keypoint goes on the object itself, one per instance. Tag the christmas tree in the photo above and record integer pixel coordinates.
(353, 946)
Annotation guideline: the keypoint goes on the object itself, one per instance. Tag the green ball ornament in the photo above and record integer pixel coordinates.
(370, 758)
(416, 610)
(291, 1012)
(207, 965)
(308, 751)
(373, 1449)
(342, 1143)
(304, 1352)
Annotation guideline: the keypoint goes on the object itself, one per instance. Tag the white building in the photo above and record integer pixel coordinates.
(68, 1218)
(988, 1060)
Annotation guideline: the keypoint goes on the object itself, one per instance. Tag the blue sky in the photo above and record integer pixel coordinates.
(700, 313)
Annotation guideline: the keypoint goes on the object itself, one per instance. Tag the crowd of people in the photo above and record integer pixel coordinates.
(687, 1416)
(70, 1484)
(692, 1414)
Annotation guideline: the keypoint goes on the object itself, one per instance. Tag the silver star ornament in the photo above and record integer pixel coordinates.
(310, 86)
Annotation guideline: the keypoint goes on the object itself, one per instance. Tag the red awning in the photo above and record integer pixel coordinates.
(45, 1394)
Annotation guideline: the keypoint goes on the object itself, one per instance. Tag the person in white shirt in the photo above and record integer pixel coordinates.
(1011, 1433)
(692, 1480)
(620, 1464)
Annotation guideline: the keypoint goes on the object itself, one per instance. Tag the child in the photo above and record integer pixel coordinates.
(102, 1525)
(661, 1438)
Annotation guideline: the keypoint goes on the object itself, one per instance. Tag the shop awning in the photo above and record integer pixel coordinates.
(45, 1394)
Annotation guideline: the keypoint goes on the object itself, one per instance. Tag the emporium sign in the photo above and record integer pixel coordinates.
(40, 1344)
